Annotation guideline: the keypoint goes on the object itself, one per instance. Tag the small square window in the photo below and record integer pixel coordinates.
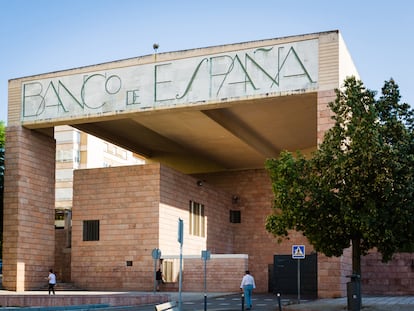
(91, 230)
(235, 217)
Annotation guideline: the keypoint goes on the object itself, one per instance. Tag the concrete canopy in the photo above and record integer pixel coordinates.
(238, 136)
(244, 102)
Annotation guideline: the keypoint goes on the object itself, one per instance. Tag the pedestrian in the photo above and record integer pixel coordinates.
(52, 282)
(158, 278)
(247, 285)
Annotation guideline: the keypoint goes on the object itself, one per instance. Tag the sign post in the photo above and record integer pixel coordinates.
(156, 255)
(298, 252)
(180, 240)
(205, 255)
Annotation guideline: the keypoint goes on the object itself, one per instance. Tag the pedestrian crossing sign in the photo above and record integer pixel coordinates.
(298, 251)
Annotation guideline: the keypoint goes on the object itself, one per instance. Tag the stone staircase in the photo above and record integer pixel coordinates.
(67, 286)
(63, 287)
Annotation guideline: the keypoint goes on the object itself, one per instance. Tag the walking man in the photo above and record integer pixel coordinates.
(52, 282)
(247, 285)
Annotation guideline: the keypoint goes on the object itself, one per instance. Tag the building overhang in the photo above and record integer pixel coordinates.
(236, 135)
(220, 108)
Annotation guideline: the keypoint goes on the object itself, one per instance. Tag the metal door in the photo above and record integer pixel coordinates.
(284, 278)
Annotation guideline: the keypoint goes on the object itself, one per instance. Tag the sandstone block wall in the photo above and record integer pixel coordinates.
(223, 273)
(125, 200)
(253, 187)
(29, 214)
(395, 277)
(138, 208)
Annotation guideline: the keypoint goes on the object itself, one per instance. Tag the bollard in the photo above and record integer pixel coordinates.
(242, 301)
(279, 302)
(353, 289)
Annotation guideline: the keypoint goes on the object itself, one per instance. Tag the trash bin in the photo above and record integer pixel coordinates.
(353, 289)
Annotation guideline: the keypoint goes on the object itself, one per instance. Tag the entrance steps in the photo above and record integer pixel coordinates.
(62, 287)
(80, 300)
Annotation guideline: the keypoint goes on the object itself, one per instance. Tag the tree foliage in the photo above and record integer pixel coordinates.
(358, 186)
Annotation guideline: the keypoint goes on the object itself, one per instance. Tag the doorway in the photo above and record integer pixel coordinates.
(283, 276)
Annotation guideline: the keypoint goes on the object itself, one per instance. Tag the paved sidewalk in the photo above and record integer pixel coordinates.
(194, 301)
(269, 302)
(403, 303)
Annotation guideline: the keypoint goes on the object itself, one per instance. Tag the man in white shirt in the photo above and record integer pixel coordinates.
(247, 285)
(52, 281)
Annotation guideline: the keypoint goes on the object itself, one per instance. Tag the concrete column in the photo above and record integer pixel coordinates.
(331, 271)
(324, 113)
(29, 200)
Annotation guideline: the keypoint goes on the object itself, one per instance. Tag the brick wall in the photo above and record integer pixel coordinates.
(223, 273)
(176, 191)
(138, 208)
(332, 274)
(62, 256)
(141, 197)
(253, 187)
(250, 237)
(125, 200)
(29, 235)
(325, 121)
(395, 277)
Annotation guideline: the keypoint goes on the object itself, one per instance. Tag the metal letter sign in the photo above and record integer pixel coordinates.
(298, 251)
(219, 77)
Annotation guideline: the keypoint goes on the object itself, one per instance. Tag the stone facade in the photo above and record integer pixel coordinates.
(128, 202)
(395, 277)
(63, 256)
(125, 202)
(29, 236)
(138, 208)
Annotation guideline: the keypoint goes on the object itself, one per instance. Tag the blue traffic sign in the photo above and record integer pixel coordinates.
(156, 253)
(298, 251)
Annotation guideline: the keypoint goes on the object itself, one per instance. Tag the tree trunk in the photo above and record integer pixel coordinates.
(356, 256)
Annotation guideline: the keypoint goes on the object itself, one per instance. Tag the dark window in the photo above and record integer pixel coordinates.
(91, 230)
(235, 217)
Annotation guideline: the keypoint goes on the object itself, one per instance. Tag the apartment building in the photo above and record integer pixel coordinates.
(78, 150)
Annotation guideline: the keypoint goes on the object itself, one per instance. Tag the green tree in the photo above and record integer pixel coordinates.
(357, 188)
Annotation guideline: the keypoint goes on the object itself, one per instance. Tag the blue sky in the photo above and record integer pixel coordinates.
(39, 36)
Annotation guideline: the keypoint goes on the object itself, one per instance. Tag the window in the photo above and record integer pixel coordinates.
(197, 219)
(76, 156)
(64, 174)
(91, 230)
(59, 218)
(64, 155)
(235, 217)
(63, 194)
(170, 270)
